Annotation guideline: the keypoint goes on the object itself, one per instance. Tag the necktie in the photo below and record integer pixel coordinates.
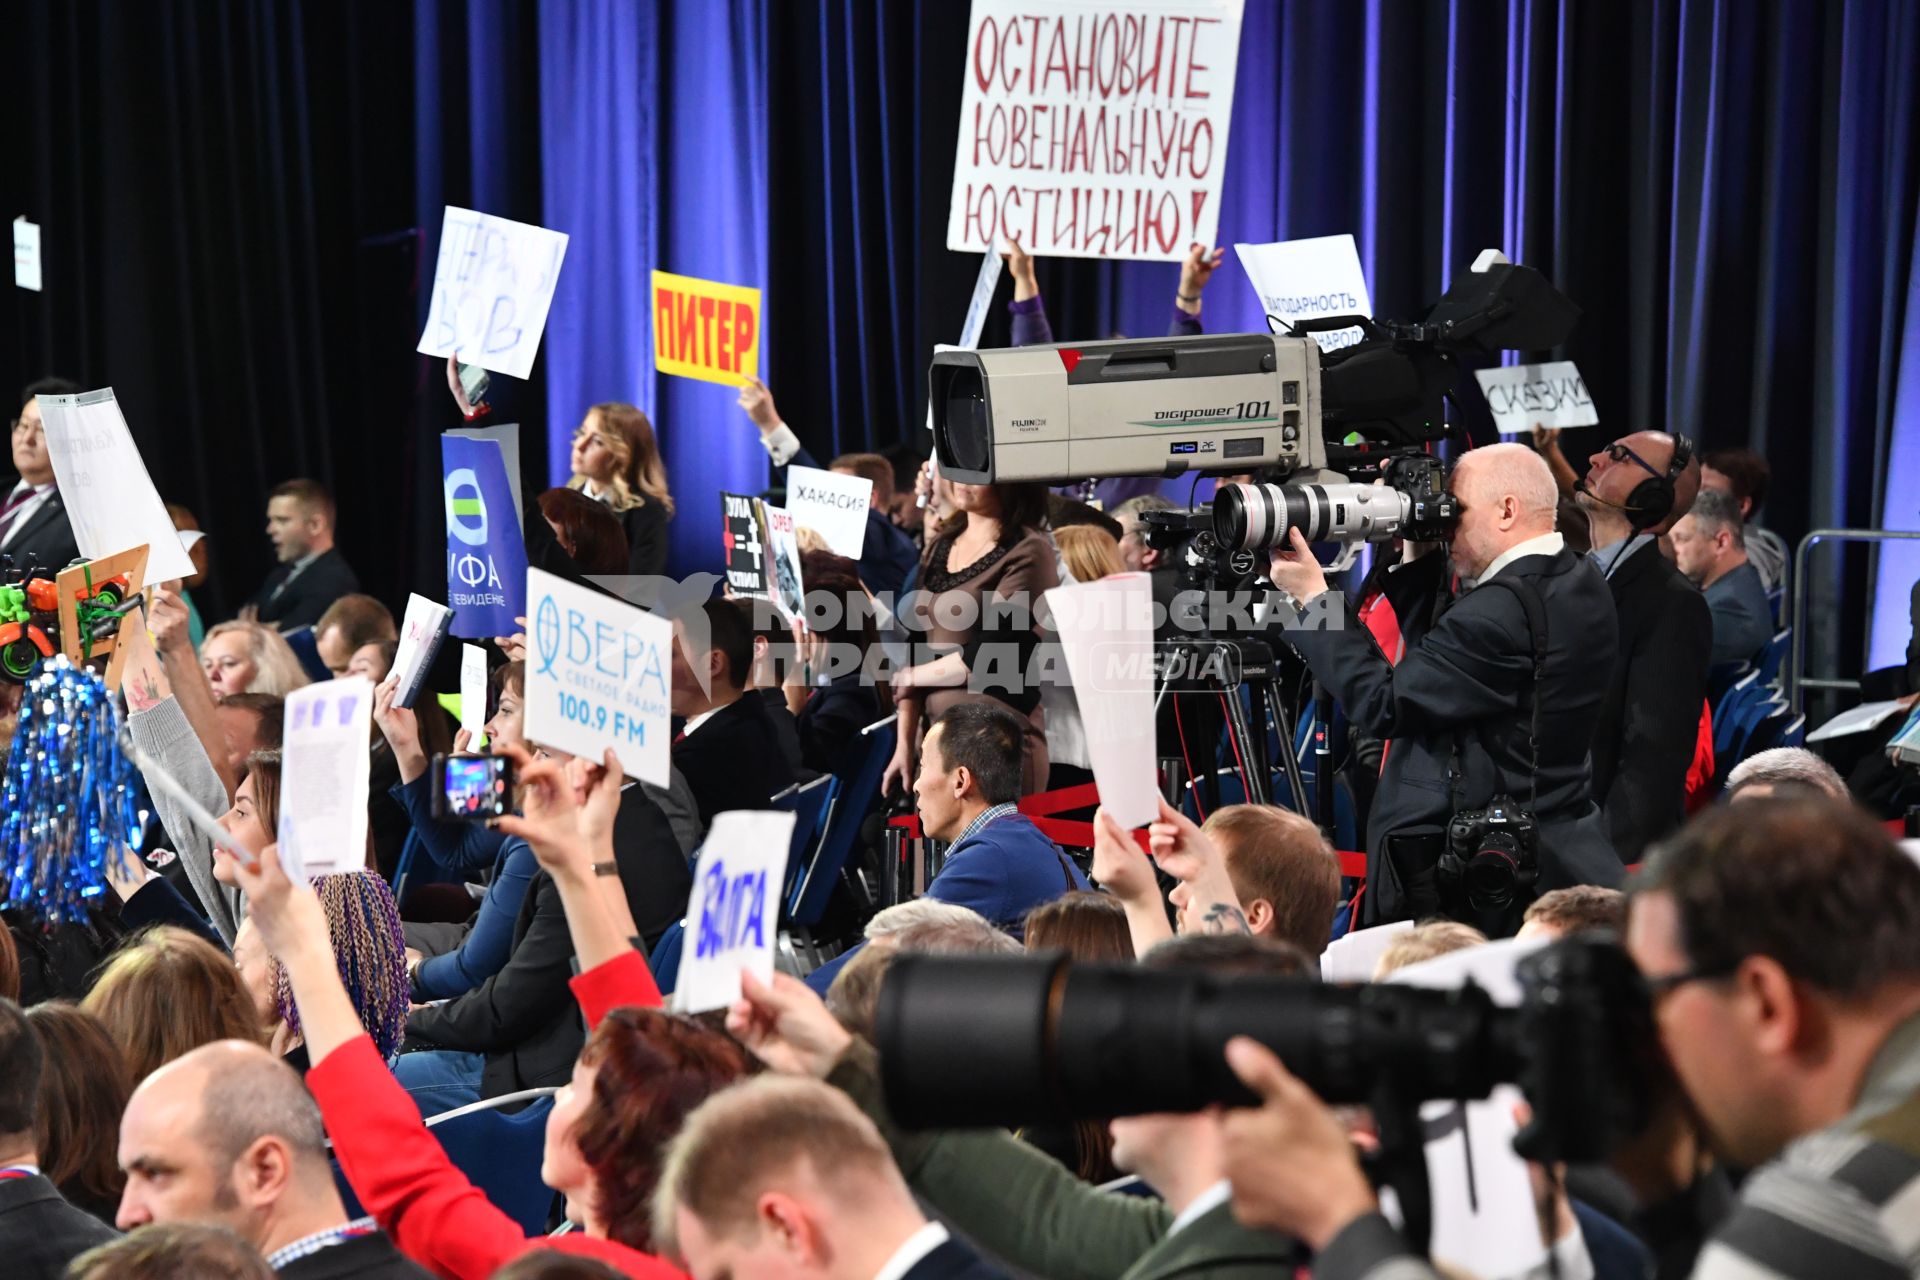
(10, 514)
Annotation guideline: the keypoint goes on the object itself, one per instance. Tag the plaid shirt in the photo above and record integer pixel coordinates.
(309, 1245)
(993, 814)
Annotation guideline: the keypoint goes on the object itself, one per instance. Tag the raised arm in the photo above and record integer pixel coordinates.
(167, 616)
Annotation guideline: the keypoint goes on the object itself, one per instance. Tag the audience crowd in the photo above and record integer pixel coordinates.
(224, 1070)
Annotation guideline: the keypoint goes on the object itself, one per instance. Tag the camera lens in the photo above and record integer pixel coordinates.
(963, 428)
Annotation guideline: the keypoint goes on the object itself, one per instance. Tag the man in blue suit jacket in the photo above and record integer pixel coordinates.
(999, 864)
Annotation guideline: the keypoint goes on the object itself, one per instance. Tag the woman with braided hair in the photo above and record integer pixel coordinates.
(362, 921)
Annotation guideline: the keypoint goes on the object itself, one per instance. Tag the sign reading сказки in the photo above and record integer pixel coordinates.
(705, 330)
(1310, 280)
(1094, 128)
(597, 673)
(1525, 396)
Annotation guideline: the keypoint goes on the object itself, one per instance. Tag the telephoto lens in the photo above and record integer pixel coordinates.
(1257, 517)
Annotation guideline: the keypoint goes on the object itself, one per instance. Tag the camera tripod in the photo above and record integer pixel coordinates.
(1199, 680)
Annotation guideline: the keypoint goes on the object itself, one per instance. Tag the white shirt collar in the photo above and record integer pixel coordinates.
(1207, 1201)
(694, 722)
(1547, 544)
(911, 1251)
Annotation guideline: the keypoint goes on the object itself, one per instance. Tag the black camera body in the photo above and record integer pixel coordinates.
(1432, 512)
(1492, 855)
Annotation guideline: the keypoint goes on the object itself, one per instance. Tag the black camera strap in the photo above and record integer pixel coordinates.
(1536, 610)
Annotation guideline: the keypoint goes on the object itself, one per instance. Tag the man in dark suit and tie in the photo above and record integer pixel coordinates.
(727, 750)
(312, 573)
(784, 1176)
(1636, 489)
(34, 529)
(39, 1231)
(1466, 713)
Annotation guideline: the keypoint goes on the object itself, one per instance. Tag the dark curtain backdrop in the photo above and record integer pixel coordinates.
(240, 198)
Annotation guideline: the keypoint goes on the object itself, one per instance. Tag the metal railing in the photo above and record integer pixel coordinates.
(1797, 679)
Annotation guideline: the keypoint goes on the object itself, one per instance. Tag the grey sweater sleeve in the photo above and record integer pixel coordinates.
(164, 734)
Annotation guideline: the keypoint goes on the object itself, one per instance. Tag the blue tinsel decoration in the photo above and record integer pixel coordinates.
(70, 798)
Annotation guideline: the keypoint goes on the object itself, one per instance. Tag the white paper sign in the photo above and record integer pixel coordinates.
(104, 484)
(733, 913)
(1094, 128)
(491, 290)
(1106, 634)
(1525, 396)
(832, 505)
(421, 629)
(788, 587)
(323, 778)
(473, 690)
(1307, 280)
(983, 286)
(597, 673)
(1353, 956)
(26, 254)
(1483, 1218)
(1868, 715)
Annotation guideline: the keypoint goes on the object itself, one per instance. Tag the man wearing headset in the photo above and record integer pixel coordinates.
(1635, 490)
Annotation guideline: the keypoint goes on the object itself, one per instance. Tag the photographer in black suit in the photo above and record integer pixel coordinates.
(1636, 489)
(1466, 716)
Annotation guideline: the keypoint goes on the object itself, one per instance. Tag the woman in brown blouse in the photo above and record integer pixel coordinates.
(995, 545)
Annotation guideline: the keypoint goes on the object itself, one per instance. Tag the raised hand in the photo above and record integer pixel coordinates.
(457, 387)
(1294, 570)
(1020, 267)
(288, 915)
(549, 817)
(515, 645)
(1205, 896)
(167, 619)
(787, 1026)
(1195, 271)
(1291, 1164)
(757, 401)
(1120, 866)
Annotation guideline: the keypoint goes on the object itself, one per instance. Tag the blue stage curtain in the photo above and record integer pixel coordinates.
(653, 145)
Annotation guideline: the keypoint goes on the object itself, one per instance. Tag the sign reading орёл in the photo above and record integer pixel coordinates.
(705, 330)
(597, 676)
(1094, 128)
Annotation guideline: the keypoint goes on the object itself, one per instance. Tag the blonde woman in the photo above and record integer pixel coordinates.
(616, 460)
(246, 657)
(1088, 553)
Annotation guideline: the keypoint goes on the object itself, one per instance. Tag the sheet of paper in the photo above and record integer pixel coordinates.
(704, 329)
(1309, 279)
(983, 286)
(492, 287)
(1113, 150)
(789, 588)
(1106, 635)
(104, 483)
(473, 690)
(323, 778)
(26, 254)
(1856, 720)
(832, 505)
(1483, 1219)
(1525, 396)
(421, 630)
(745, 540)
(597, 673)
(733, 914)
(486, 554)
(1352, 957)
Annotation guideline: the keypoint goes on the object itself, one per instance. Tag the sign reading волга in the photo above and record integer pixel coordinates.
(1094, 128)
(597, 676)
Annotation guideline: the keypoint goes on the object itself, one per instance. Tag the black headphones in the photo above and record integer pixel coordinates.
(1652, 499)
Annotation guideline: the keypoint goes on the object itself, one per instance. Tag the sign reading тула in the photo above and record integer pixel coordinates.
(1094, 128)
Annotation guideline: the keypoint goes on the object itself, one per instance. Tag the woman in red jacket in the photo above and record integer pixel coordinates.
(641, 1072)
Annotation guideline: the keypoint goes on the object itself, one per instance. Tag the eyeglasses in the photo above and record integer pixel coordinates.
(1665, 985)
(1619, 452)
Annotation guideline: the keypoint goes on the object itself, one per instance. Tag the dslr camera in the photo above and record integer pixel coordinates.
(1492, 856)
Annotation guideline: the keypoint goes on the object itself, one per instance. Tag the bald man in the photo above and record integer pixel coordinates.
(227, 1135)
(1466, 687)
(1650, 719)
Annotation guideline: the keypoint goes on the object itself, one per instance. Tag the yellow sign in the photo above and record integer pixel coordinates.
(705, 330)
